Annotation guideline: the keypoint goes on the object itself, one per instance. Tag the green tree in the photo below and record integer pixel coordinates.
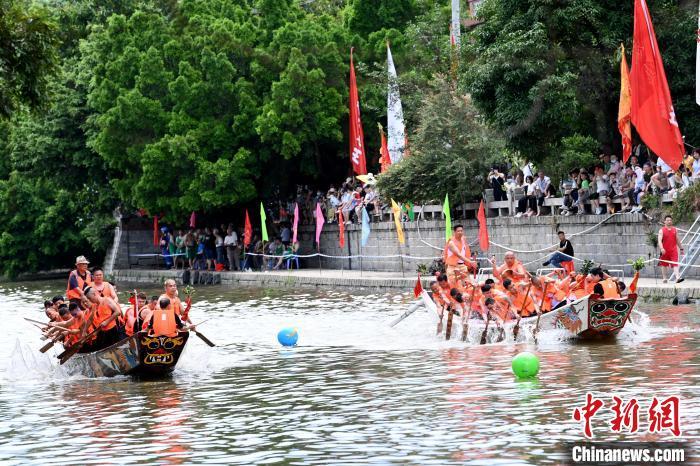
(540, 70)
(451, 152)
(27, 55)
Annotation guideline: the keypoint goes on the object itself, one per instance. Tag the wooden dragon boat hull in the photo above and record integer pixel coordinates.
(589, 318)
(139, 355)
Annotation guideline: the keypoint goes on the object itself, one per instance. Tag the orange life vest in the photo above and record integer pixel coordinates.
(107, 291)
(129, 321)
(609, 288)
(164, 323)
(529, 304)
(175, 304)
(72, 338)
(102, 313)
(450, 257)
(72, 293)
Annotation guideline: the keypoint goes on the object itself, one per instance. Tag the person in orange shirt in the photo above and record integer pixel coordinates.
(105, 289)
(523, 302)
(146, 312)
(79, 279)
(104, 313)
(511, 268)
(164, 321)
(457, 255)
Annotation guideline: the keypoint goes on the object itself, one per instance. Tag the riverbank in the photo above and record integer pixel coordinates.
(649, 288)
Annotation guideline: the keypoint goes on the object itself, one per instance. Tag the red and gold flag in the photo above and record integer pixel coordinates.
(624, 113)
(357, 138)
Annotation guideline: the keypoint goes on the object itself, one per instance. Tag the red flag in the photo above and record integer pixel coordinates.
(418, 289)
(247, 231)
(155, 231)
(652, 108)
(341, 229)
(193, 220)
(357, 138)
(384, 158)
(624, 109)
(483, 229)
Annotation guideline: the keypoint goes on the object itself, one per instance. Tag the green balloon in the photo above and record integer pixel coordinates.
(525, 365)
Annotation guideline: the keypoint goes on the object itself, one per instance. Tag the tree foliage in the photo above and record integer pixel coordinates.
(451, 152)
(27, 54)
(541, 71)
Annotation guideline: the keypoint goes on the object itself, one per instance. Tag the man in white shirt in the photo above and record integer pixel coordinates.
(528, 169)
(232, 250)
(541, 189)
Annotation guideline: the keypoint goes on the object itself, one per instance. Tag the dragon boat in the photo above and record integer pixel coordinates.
(589, 318)
(139, 355)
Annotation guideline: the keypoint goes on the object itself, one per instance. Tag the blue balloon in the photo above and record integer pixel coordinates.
(288, 336)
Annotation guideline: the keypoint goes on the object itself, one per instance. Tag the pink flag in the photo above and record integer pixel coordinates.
(193, 219)
(296, 222)
(319, 223)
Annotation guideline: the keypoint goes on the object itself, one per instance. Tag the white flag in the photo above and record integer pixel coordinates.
(455, 26)
(697, 63)
(396, 133)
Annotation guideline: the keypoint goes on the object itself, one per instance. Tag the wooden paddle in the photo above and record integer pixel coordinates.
(516, 329)
(203, 338)
(539, 314)
(448, 327)
(468, 311)
(53, 341)
(43, 324)
(483, 335)
(70, 352)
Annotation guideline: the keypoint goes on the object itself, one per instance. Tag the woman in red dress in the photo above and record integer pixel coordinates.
(669, 245)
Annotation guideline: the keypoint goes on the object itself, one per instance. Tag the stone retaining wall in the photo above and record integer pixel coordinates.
(621, 238)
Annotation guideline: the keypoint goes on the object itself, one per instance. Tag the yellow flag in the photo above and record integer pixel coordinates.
(397, 220)
(624, 112)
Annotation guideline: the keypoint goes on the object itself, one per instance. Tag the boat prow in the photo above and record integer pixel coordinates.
(140, 355)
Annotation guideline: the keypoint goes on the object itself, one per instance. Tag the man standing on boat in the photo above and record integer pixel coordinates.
(78, 280)
(457, 255)
(175, 303)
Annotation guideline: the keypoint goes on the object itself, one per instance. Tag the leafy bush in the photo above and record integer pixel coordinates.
(651, 202)
(573, 152)
(686, 204)
(450, 152)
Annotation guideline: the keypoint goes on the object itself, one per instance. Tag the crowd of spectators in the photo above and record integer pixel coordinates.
(609, 179)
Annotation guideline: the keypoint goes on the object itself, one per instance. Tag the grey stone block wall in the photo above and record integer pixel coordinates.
(621, 238)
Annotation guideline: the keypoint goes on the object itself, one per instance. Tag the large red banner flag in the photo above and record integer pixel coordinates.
(652, 108)
(247, 230)
(357, 138)
(384, 158)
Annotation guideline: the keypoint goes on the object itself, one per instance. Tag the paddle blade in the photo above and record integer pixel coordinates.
(46, 347)
(70, 352)
(204, 339)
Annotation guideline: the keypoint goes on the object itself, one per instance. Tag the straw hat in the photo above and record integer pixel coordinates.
(81, 260)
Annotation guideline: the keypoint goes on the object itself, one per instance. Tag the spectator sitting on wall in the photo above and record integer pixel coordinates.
(529, 201)
(276, 248)
(564, 252)
(543, 190)
(332, 205)
(286, 235)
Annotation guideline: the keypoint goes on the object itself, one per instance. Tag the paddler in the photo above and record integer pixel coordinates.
(146, 312)
(67, 324)
(523, 302)
(457, 255)
(511, 268)
(105, 289)
(78, 280)
(164, 321)
(172, 295)
(104, 313)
